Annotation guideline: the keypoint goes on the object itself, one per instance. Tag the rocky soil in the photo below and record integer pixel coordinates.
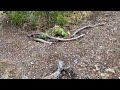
(94, 56)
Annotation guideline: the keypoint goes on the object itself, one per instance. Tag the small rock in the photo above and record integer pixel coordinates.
(96, 66)
(55, 52)
(99, 57)
(119, 77)
(7, 21)
(110, 70)
(31, 62)
(29, 42)
(104, 75)
(24, 77)
(101, 47)
(105, 63)
(76, 61)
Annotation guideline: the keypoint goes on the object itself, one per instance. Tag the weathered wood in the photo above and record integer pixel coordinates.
(56, 74)
(85, 27)
(72, 37)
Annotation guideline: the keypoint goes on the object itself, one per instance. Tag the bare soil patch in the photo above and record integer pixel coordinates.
(94, 56)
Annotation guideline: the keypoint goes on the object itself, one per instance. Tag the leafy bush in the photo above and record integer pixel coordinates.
(48, 19)
(57, 17)
(21, 17)
(33, 17)
(42, 36)
(18, 17)
(57, 31)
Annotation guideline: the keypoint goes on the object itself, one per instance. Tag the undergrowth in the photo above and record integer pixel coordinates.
(33, 17)
(48, 19)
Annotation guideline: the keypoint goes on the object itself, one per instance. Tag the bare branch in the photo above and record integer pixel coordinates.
(41, 40)
(62, 39)
(85, 27)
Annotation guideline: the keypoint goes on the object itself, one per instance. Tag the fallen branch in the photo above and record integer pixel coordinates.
(62, 39)
(41, 40)
(54, 38)
(85, 27)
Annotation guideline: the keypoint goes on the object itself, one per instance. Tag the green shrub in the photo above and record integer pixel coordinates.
(48, 19)
(18, 17)
(57, 31)
(57, 17)
(42, 36)
(33, 17)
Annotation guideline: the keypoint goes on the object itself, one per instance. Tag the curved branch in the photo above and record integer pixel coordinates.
(54, 38)
(62, 39)
(85, 27)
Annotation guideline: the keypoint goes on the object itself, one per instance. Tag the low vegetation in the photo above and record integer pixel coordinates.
(55, 21)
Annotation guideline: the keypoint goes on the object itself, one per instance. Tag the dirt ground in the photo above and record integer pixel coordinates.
(94, 56)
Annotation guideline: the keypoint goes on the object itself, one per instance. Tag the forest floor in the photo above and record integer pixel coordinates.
(94, 56)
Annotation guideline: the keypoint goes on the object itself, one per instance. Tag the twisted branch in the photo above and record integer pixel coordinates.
(62, 39)
(85, 27)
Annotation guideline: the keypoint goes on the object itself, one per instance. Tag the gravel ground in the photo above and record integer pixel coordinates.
(95, 56)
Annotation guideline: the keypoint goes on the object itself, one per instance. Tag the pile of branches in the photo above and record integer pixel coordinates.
(52, 39)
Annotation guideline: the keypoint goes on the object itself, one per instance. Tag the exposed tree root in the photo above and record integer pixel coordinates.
(56, 74)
